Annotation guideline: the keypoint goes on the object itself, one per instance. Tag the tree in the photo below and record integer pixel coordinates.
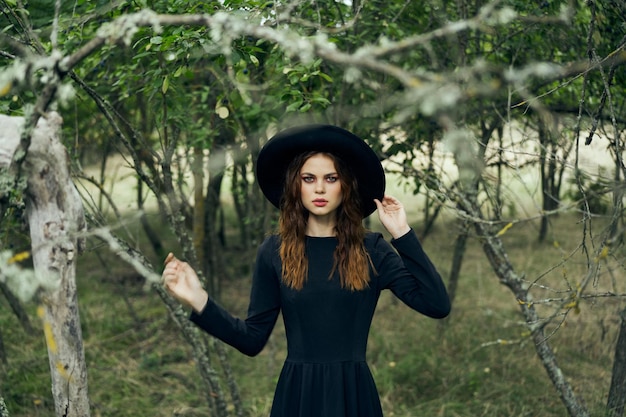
(56, 220)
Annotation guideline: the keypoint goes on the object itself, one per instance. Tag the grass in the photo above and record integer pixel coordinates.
(139, 365)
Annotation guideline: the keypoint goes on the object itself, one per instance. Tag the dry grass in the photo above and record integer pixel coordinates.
(140, 366)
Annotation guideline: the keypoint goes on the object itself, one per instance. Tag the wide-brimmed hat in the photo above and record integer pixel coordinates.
(281, 149)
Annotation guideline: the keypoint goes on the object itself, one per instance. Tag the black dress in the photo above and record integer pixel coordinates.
(325, 373)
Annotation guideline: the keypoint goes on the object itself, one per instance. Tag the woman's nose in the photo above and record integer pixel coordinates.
(319, 187)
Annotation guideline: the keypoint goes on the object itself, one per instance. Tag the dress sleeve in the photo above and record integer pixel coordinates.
(249, 336)
(410, 275)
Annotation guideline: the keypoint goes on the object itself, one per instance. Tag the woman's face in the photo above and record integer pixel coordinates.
(320, 188)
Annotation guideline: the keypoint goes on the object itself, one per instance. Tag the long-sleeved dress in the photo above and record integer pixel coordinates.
(325, 373)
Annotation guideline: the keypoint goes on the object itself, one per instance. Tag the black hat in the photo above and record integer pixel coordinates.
(282, 148)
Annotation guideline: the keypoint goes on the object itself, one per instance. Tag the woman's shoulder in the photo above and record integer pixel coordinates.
(372, 236)
(373, 240)
(270, 242)
(268, 252)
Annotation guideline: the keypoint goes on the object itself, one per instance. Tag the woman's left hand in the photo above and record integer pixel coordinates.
(393, 216)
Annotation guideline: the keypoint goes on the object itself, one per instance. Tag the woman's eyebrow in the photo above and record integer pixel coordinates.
(325, 175)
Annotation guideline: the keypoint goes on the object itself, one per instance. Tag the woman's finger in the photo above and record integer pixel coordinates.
(170, 257)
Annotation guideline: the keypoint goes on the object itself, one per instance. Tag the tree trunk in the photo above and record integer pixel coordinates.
(240, 189)
(617, 392)
(551, 173)
(457, 260)
(460, 246)
(3, 408)
(198, 228)
(152, 236)
(498, 258)
(617, 222)
(3, 353)
(55, 215)
(215, 233)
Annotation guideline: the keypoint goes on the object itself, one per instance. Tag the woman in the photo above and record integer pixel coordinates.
(323, 271)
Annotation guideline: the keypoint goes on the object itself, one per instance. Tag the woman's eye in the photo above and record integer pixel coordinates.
(308, 179)
(332, 179)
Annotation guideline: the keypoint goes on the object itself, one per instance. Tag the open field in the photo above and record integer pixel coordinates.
(139, 364)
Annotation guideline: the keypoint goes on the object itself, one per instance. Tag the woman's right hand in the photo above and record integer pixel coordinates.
(182, 282)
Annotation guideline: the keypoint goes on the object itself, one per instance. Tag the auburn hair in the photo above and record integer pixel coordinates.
(350, 257)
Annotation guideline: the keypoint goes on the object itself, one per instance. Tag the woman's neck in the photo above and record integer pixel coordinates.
(317, 227)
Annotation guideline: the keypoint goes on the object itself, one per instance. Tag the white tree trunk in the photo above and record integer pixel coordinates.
(3, 408)
(55, 215)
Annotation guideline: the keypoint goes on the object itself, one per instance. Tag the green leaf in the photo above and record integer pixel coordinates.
(165, 85)
(321, 100)
(326, 77)
(294, 106)
(141, 55)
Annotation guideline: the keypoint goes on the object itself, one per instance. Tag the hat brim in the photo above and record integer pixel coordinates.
(281, 149)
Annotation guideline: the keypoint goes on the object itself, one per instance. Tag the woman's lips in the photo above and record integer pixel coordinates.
(319, 203)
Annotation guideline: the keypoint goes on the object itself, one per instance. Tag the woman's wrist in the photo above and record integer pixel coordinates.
(399, 232)
(200, 301)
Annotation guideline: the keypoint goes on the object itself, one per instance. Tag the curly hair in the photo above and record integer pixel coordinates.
(350, 257)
